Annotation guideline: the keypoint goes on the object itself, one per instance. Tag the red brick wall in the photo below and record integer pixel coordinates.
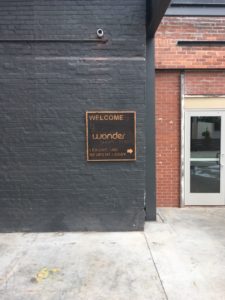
(172, 29)
(199, 82)
(205, 83)
(204, 69)
(201, 78)
(168, 138)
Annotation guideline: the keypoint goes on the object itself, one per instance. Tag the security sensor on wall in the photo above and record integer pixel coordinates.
(100, 33)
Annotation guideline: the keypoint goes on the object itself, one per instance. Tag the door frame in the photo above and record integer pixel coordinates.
(203, 198)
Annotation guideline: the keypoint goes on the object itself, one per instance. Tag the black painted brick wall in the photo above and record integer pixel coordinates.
(45, 90)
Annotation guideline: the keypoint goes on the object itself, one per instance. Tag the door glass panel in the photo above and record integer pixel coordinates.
(205, 154)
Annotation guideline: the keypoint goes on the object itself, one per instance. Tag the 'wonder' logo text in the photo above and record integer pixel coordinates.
(108, 136)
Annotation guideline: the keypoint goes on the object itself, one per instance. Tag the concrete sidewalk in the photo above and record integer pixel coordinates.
(188, 248)
(182, 256)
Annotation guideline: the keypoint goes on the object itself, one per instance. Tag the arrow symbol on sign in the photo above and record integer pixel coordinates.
(130, 151)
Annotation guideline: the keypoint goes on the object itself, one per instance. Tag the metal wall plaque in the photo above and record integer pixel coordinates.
(111, 135)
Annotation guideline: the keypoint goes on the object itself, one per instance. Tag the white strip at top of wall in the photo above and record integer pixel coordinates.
(204, 102)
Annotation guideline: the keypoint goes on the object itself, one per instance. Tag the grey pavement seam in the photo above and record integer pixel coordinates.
(160, 217)
(157, 271)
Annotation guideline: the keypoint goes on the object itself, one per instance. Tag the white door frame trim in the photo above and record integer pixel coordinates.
(186, 122)
(184, 97)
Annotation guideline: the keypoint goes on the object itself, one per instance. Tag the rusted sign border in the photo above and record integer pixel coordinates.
(110, 112)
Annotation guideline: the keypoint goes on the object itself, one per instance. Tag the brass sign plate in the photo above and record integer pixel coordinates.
(111, 135)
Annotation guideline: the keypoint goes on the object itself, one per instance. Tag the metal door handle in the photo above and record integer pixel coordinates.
(221, 159)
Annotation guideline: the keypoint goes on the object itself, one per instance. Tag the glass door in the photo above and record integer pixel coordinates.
(204, 158)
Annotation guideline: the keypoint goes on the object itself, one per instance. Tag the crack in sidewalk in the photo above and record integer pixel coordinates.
(157, 271)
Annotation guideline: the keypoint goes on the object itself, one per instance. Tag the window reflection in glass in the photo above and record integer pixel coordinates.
(205, 154)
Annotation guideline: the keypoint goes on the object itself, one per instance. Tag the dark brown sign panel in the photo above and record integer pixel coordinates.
(111, 135)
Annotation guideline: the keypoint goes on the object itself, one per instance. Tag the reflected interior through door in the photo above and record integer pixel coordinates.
(205, 154)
